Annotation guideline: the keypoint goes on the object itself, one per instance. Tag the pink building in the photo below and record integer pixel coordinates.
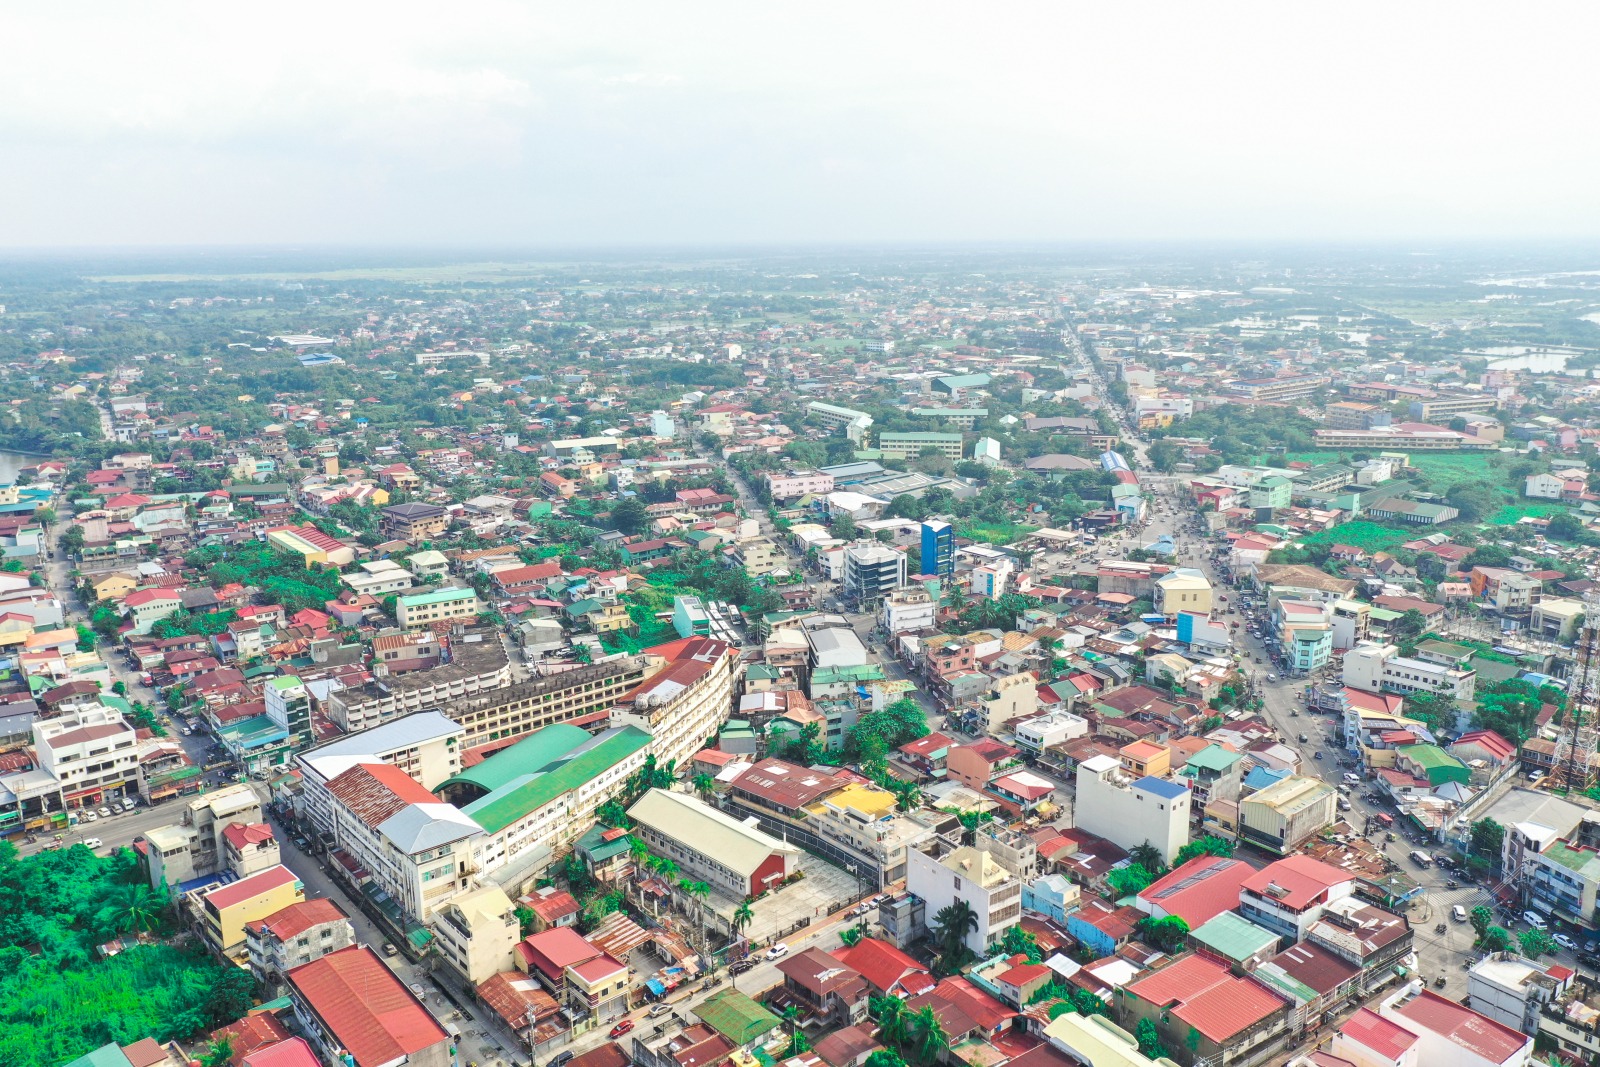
(799, 483)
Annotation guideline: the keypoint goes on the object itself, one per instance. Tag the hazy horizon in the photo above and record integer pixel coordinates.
(726, 126)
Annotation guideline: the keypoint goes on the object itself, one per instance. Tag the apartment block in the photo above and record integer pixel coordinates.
(1128, 809)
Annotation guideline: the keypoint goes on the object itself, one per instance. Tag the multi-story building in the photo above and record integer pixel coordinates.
(1444, 1031)
(907, 610)
(758, 556)
(1432, 408)
(938, 546)
(1289, 895)
(798, 483)
(289, 707)
(1354, 415)
(735, 858)
(1503, 589)
(1382, 439)
(1380, 668)
(832, 992)
(583, 696)
(475, 667)
(425, 745)
(354, 1010)
(872, 571)
(1184, 589)
(1374, 939)
(853, 422)
(92, 752)
(1514, 991)
(225, 909)
(910, 445)
(685, 697)
(1285, 814)
(1204, 1012)
(942, 871)
(1304, 629)
(477, 933)
(441, 605)
(1131, 810)
(294, 936)
(415, 522)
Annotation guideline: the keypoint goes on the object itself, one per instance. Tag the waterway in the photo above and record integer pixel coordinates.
(1534, 362)
(12, 462)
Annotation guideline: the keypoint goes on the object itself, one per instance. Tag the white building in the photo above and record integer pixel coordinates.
(907, 610)
(872, 571)
(1379, 668)
(686, 696)
(1130, 811)
(986, 450)
(379, 578)
(1042, 731)
(425, 745)
(1451, 1033)
(1511, 990)
(92, 752)
(942, 873)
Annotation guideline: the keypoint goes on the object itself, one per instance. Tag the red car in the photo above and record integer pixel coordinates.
(621, 1028)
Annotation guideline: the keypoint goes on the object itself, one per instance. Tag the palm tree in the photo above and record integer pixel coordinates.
(890, 1011)
(791, 1018)
(1147, 856)
(926, 1035)
(704, 784)
(743, 915)
(640, 852)
(133, 909)
(951, 926)
(666, 866)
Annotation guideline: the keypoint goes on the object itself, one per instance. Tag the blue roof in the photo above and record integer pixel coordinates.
(1261, 777)
(1161, 787)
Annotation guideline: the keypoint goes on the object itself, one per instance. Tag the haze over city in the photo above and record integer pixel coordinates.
(710, 123)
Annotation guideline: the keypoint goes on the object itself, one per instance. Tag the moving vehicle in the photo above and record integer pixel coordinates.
(1421, 859)
(660, 1009)
(1566, 942)
(1535, 920)
(1458, 913)
(777, 951)
(389, 949)
(1344, 804)
(1304, 738)
(1272, 677)
(1318, 755)
(1351, 776)
(621, 1028)
(92, 842)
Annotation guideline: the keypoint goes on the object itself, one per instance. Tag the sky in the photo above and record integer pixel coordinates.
(704, 123)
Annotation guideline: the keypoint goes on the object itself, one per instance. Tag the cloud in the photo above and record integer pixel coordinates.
(711, 122)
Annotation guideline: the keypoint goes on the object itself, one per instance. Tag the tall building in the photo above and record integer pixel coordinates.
(1130, 811)
(938, 549)
(872, 571)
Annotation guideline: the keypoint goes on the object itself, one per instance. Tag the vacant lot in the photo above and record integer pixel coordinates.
(1368, 536)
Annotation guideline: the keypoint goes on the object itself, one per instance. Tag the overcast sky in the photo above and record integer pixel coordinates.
(618, 123)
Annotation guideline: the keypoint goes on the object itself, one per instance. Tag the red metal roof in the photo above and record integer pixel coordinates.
(1199, 890)
(236, 892)
(366, 1008)
(556, 949)
(375, 791)
(296, 919)
(1371, 1030)
(1461, 1025)
(1296, 882)
(1204, 994)
(881, 964)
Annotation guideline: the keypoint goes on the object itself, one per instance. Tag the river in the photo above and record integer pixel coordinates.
(12, 462)
(1535, 362)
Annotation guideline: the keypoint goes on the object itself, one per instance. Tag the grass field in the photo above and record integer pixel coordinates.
(996, 533)
(1368, 536)
(1510, 513)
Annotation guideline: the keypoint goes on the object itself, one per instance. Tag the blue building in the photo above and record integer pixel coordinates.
(938, 549)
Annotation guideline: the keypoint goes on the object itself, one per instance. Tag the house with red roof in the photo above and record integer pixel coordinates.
(1289, 895)
(349, 1003)
(978, 764)
(1196, 891)
(294, 936)
(1451, 1033)
(547, 955)
(1196, 1003)
(886, 969)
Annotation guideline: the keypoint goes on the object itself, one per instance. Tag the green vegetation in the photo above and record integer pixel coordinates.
(1363, 534)
(283, 579)
(996, 533)
(59, 999)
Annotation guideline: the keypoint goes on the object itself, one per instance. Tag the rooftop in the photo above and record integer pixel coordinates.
(366, 1008)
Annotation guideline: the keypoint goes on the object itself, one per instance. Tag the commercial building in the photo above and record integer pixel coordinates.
(1513, 991)
(910, 445)
(685, 697)
(872, 571)
(1130, 810)
(92, 752)
(938, 548)
(414, 522)
(1447, 1032)
(314, 547)
(799, 483)
(477, 934)
(582, 696)
(732, 856)
(942, 871)
(1196, 891)
(1380, 668)
(1285, 814)
(907, 611)
(441, 605)
(1184, 589)
(1289, 895)
(348, 1004)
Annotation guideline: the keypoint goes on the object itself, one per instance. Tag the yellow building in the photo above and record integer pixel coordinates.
(113, 586)
(225, 909)
(312, 545)
(478, 933)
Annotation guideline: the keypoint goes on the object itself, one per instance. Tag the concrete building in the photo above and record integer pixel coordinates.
(349, 1004)
(226, 909)
(1512, 990)
(477, 934)
(1286, 813)
(942, 872)
(441, 605)
(1448, 1032)
(854, 423)
(92, 752)
(732, 856)
(911, 445)
(795, 484)
(685, 697)
(414, 522)
(907, 610)
(1290, 895)
(294, 936)
(425, 745)
(872, 571)
(1184, 589)
(1379, 668)
(1129, 810)
(938, 549)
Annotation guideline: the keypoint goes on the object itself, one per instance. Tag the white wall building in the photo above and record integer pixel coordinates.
(1128, 811)
(1379, 668)
(92, 752)
(942, 873)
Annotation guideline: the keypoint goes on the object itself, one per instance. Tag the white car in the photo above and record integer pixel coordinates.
(1350, 776)
(1566, 942)
(778, 950)
(88, 816)
(105, 813)
(92, 842)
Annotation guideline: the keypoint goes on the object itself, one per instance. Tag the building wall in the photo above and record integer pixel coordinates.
(1129, 817)
(997, 907)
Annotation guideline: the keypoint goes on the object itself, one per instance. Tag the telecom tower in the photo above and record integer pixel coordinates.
(1575, 749)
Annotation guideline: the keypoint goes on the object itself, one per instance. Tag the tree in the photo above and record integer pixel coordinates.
(220, 1054)
(1205, 845)
(843, 527)
(1149, 1039)
(926, 1036)
(131, 909)
(1167, 933)
(1437, 710)
(1411, 624)
(1482, 918)
(1487, 838)
(72, 540)
(525, 919)
(905, 506)
(743, 915)
(891, 1013)
(1126, 881)
(1147, 856)
(1475, 500)
(704, 784)
(1165, 456)
(1496, 939)
(951, 925)
(1536, 943)
(582, 652)
(629, 516)
(1019, 941)
(885, 1058)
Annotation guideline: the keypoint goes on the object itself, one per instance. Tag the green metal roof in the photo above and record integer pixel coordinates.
(532, 754)
(1213, 758)
(598, 848)
(736, 1017)
(866, 672)
(1235, 937)
(532, 791)
(105, 1056)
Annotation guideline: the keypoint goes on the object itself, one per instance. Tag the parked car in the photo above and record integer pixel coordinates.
(105, 813)
(92, 842)
(621, 1028)
(1535, 920)
(777, 951)
(1566, 942)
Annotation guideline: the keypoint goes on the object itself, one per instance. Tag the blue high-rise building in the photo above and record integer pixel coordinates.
(938, 549)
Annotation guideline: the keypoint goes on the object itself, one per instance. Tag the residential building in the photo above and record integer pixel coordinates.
(799, 483)
(832, 992)
(685, 697)
(1196, 891)
(1097, 1041)
(92, 752)
(941, 872)
(1448, 1032)
(1289, 895)
(314, 547)
(226, 909)
(478, 666)
(1285, 814)
(248, 848)
(146, 607)
(907, 610)
(1184, 589)
(294, 936)
(582, 695)
(414, 522)
(735, 858)
(1513, 991)
(1131, 810)
(910, 445)
(854, 423)
(440, 605)
(477, 934)
(348, 1004)
(1206, 1013)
